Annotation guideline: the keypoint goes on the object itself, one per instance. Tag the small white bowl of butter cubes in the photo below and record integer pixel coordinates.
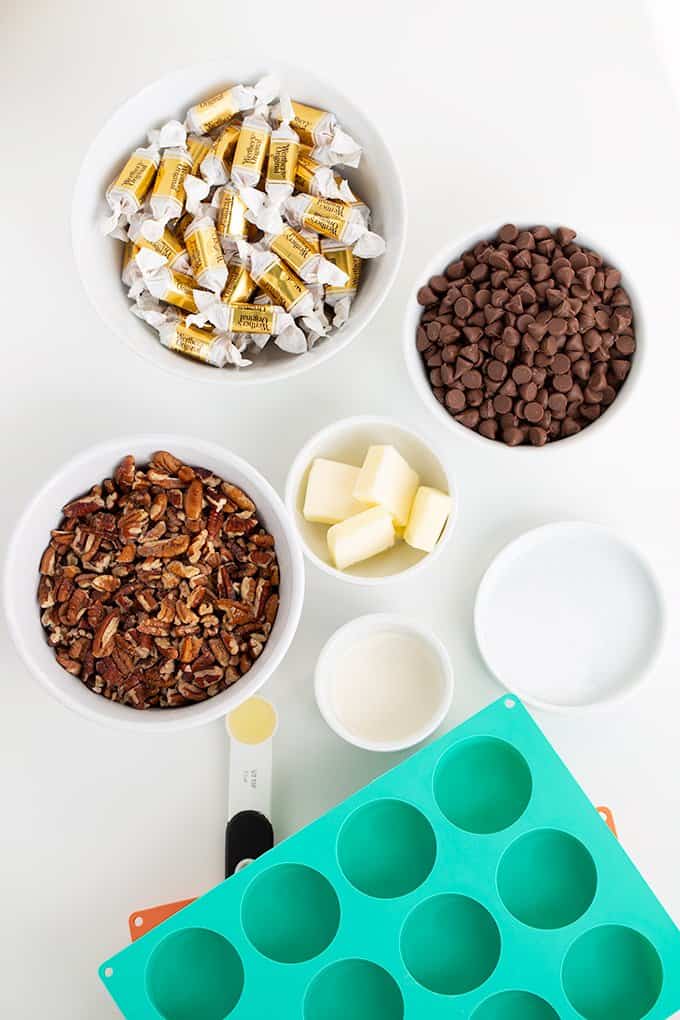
(371, 500)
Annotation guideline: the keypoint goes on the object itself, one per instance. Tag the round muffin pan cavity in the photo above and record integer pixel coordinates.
(387, 848)
(547, 879)
(354, 990)
(291, 913)
(474, 881)
(450, 944)
(482, 785)
(515, 1006)
(195, 974)
(612, 971)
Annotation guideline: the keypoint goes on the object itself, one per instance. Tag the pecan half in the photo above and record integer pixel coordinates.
(165, 548)
(104, 634)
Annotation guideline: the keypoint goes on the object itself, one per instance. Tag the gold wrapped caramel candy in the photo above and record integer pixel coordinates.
(240, 285)
(201, 344)
(310, 123)
(327, 216)
(231, 217)
(167, 245)
(168, 195)
(282, 162)
(346, 261)
(294, 249)
(251, 151)
(169, 183)
(205, 254)
(198, 148)
(126, 194)
(218, 109)
(280, 283)
(174, 288)
(215, 165)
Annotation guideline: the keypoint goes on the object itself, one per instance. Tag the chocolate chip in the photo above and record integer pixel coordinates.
(564, 235)
(625, 344)
(488, 428)
(528, 391)
(455, 270)
(537, 329)
(502, 404)
(463, 307)
(500, 261)
(455, 400)
(620, 369)
(439, 284)
(512, 436)
(533, 412)
(469, 418)
(538, 436)
(426, 296)
(557, 402)
(560, 364)
(557, 326)
(472, 379)
(563, 383)
(496, 371)
(521, 374)
(570, 427)
(508, 233)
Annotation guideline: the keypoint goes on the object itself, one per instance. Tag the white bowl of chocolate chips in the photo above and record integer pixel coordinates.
(525, 336)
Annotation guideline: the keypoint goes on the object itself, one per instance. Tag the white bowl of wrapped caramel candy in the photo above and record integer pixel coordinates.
(299, 226)
(154, 582)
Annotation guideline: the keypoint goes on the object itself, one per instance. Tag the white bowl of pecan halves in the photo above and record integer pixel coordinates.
(155, 582)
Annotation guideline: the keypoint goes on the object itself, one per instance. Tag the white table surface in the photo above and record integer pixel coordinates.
(494, 111)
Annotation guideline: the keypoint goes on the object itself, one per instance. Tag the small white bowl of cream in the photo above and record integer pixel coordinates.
(383, 682)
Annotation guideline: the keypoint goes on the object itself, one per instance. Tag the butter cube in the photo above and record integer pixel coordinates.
(328, 498)
(429, 514)
(360, 537)
(387, 480)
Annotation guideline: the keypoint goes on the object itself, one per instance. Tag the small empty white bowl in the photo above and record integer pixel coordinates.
(569, 616)
(348, 440)
(433, 654)
(416, 367)
(98, 258)
(43, 513)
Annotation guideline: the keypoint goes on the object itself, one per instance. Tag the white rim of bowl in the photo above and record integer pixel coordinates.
(616, 697)
(297, 364)
(302, 461)
(211, 711)
(405, 625)
(414, 365)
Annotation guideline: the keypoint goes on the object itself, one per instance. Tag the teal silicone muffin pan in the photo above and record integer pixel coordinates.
(474, 880)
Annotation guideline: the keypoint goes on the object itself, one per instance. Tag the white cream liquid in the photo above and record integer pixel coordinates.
(386, 686)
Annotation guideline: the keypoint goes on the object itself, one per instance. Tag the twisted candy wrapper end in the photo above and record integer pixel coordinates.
(196, 190)
(341, 149)
(262, 211)
(369, 245)
(172, 134)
